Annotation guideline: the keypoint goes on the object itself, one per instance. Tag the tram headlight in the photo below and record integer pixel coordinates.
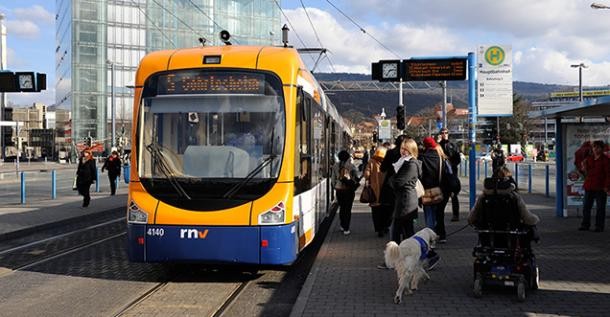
(135, 214)
(273, 216)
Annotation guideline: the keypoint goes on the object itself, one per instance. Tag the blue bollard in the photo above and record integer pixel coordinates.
(478, 170)
(517, 174)
(485, 163)
(53, 184)
(97, 180)
(546, 170)
(22, 188)
(126, 170)
(529, 178)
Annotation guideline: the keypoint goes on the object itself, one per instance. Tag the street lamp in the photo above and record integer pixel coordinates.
(112, 109)
(580, 67)
(599, 6)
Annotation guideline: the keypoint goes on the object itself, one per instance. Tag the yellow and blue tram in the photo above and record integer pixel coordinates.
(231, 156)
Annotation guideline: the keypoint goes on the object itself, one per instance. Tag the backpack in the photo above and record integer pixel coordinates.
(344, 178)
(450, 181)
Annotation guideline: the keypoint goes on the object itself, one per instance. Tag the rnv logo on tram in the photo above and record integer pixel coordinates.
(193, 234)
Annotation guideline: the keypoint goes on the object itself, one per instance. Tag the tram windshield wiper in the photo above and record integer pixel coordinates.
(156, 153)
(248, 177)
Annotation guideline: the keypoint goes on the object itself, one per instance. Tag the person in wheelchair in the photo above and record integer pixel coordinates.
(500, 207)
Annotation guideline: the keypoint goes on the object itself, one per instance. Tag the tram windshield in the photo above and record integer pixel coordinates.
(201, 126)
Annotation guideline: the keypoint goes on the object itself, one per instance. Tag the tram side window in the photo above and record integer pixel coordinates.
(302, 172)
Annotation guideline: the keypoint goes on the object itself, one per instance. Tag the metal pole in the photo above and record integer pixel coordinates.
(23, 188)
(580, 82)
(547, 187)
(444, 110)
(400, 104)
(529, 179)
(112, 110)
(18, 148)
(53, 184)
(472, 113)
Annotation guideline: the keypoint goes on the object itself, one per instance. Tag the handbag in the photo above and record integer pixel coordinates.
(419, 189)
(367, 195)
(434, 195)
(451, 182)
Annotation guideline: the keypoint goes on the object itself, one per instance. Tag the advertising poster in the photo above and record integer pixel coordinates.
(579, 139)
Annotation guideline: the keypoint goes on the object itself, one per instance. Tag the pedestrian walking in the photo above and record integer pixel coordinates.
(374, 178)
(408, 170)
(113, 165)
(85, 175)
(345, 181)
(453, 155)
(597, 182)
(497, 158)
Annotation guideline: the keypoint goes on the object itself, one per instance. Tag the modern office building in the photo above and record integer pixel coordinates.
(100, 43)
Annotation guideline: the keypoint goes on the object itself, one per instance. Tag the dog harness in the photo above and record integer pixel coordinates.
(423, 246)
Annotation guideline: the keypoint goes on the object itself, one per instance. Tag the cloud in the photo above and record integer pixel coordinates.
(546, 35)
(22, 28)
(34, 13)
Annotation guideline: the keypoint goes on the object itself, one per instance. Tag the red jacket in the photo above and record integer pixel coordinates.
(598, 173)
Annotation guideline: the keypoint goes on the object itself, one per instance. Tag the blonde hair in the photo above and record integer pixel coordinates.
(441, 153)
(411, 146)
(504, 172)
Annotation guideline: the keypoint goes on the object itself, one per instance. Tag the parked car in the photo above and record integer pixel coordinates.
(515, 158)
(486, 157)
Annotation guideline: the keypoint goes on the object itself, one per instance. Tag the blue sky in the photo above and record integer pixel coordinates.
(547, 36)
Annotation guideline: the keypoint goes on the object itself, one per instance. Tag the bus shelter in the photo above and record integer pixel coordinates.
(577, 126)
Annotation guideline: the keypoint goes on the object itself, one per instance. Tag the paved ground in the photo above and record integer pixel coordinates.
(344, 281)
(574, 268)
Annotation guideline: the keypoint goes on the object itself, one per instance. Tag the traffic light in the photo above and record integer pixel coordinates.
(22, 81)
(400, 117)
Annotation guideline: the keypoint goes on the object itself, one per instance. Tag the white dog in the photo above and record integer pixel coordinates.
(408, 261)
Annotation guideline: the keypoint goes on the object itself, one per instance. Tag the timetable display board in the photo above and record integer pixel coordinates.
(434, 69)
(211, 83)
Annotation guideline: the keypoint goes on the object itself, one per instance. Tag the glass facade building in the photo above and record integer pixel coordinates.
(101, 39)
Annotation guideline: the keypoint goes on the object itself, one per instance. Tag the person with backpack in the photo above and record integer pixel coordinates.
(453, 155)
(345, 181)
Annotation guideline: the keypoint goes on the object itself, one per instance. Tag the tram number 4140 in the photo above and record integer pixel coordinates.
(155, 232)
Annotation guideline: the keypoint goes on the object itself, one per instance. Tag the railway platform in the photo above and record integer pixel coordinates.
(22, 219)
(345, 280)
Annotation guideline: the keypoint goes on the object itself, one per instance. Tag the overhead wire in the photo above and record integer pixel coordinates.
(177, 18)
(153, 23)
(207, 16)
(362, 29)
(293, 28)
(316, 34)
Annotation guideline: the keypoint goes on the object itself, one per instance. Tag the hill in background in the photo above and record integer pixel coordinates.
(368, 103)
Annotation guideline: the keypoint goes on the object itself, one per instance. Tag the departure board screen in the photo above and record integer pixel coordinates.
(197, 82)
(435, 69)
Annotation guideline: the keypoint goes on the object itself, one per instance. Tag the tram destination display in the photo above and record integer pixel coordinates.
(211, 83)
(434, 69)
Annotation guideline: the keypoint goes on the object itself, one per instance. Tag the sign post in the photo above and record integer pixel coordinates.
(16, 125)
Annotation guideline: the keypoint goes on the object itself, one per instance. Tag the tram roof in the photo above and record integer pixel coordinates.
(593, 107)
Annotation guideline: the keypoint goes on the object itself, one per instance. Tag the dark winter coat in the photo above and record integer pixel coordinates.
(430, 168)
(403, 183)
(113, 165)
(86, 173)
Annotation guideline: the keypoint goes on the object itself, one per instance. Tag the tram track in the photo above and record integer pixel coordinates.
(33, 253)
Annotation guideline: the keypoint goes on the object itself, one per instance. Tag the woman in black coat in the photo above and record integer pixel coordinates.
(408, 171)
(86, 173)
(431, 177)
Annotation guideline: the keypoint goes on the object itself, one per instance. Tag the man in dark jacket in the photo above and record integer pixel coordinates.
(113, 165)
(453, 155)
(387, 198)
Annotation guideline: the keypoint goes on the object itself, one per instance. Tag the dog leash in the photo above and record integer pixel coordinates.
(458, 230)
